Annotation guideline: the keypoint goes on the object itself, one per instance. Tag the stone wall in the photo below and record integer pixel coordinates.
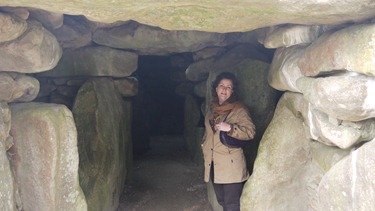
(42, 141)
(314, 154)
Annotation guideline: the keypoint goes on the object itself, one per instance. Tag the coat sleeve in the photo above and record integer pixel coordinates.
(243, 127)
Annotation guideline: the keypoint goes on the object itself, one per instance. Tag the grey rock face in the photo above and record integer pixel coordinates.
(37, 50)
(45, 156)
(213, 15)
(11, 27)
(127, 86)
(343, 97)
(103, 124)
(284, 71)
(285, 36)
(95, 61)
(349, 184)
(147, 40)
(7, 191)
(351, 49)
(16, 87)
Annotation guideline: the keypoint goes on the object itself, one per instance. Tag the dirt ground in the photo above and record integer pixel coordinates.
(165, 179)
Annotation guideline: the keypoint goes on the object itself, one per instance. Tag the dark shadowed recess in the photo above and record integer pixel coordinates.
(157, 109)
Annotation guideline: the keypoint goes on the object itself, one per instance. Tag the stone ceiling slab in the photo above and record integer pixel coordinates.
(210, 15)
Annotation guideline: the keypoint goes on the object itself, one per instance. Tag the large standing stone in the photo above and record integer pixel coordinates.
(95, 61)
(103, 124)
(16, 87)
(351, 48)
(11, 27)
(346, 97)
(349, 185)
(37, 50)
(45, 157)
(289, 167)
(7, 200)
(192, 132)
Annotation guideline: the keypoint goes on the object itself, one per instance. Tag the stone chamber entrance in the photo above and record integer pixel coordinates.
(165, 176)
(101, 106)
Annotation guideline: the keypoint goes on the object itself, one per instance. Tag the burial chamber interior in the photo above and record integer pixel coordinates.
(164, 95)
(125, 82)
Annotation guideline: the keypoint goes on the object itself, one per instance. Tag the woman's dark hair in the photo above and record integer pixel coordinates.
(215, 83)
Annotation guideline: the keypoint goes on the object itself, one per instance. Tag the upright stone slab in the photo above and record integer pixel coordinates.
(7, 201)
(192, 115)
(44, 157)
(349, 185)
(289, 166)
(103, 142)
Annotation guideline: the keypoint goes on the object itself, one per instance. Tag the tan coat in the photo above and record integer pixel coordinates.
(229, 163)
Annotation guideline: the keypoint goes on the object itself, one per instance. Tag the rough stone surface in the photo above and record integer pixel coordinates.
(44, 157)
(103, 124)
(147, 40)
(95, 61)
(212, 15)
(284, 71)
(127, 87)
(7, 200)
(192, 133)
(201, 69)
(285, 36)
(289, 167)
(343, 134)
(16, 87)
(351, 49)
(208, 53)
(200, 89)
(282, 162)
(349, 185)
(76, 32)
(346, 97)
(37, 50)
(11, 27)
(49, 20)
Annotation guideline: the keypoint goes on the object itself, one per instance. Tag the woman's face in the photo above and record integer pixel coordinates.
(224, 90)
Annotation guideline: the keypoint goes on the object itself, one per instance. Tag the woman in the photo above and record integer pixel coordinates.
(226, 166)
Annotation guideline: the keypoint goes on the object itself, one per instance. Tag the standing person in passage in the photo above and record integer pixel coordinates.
(225, 166)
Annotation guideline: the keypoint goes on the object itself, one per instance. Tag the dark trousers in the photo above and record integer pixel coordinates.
(228, 195)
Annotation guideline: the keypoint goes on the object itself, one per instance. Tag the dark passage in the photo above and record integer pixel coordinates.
(157, 109)
(165, 179)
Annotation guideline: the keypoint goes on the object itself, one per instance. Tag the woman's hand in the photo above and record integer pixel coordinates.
(223, 126)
